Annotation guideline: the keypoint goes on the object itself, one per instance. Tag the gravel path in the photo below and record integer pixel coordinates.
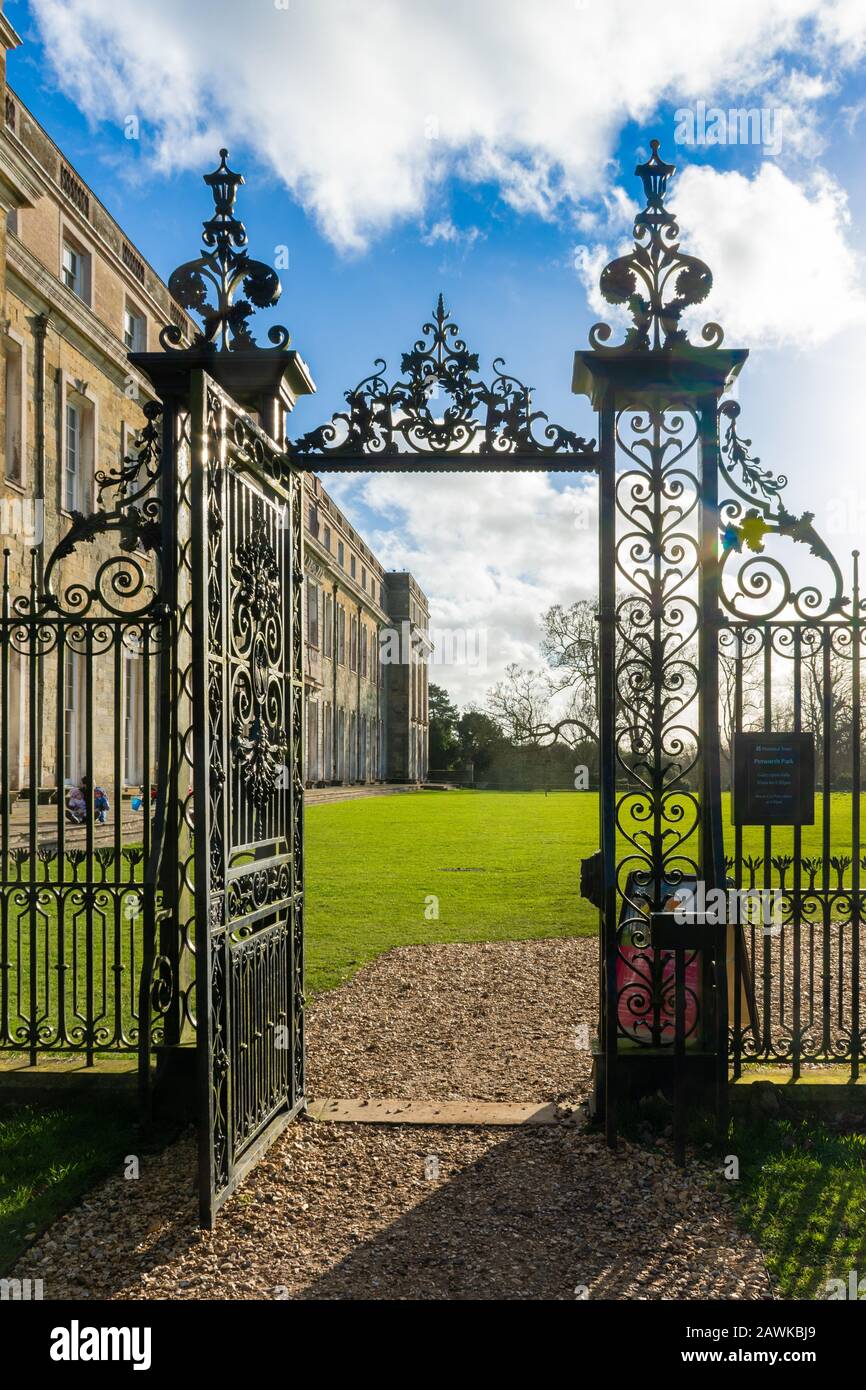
(349, 1211)
(494, 1021)
(341, 1212)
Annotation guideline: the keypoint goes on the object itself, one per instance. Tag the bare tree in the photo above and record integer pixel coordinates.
(738, 664)
(570, 645)
(520, 704)
(827, 706)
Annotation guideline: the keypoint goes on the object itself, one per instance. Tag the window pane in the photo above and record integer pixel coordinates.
(312, 614)
(73, 458)
(14, 460)
(73, 271)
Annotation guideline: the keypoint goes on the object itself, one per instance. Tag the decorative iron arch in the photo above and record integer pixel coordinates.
(483, 426)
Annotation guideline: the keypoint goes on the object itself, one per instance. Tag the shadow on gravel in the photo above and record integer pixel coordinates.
(345, 1212)
(553, 1215)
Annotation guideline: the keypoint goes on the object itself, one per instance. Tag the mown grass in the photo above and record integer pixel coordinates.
(500, 865)
(801, 1194)
(49, 1157)
(503, 865)
(442, 866)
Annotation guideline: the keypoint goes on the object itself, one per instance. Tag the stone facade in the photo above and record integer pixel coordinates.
(406, 656)
(76, 297)
(360, 719)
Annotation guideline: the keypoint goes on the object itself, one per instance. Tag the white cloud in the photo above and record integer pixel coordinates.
(784, 270)
(445, 231)
(491, 551)
(362, 108)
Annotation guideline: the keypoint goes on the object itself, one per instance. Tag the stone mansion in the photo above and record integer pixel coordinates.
(75, 297)
(366, 718)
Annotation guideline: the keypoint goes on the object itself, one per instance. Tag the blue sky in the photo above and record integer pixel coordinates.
(399, 150)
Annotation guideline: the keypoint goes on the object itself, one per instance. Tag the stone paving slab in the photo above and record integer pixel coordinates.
(448, 1112)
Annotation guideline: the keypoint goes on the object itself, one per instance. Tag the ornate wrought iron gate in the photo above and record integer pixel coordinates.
(697, 616)
(82, 654)
(204, 593)
(791, 653)
(247, 565)
(236, 860)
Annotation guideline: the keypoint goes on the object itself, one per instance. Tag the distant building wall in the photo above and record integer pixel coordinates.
(407, 680)
(361, 725)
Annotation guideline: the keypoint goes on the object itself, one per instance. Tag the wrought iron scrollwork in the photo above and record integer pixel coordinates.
(123, 584)
(103, 638)
(791, 654)
(256, 890)
(656, 281)
(495, 420)
(657, 748)
(139, 469)
(224, 268)
(247, 543)
(258, 744)
(762, 587)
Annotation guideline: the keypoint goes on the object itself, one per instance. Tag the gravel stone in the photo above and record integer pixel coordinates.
(338, 1211)
(491, 1021)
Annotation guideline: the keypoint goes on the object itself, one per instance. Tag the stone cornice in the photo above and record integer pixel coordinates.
(9, 37)
(334, 518)
(349, 585)
(43, 184)
(16, 176)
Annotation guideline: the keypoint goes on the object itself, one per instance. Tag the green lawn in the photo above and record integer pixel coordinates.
(503, 866)
(49, 1157)
(802, 1195)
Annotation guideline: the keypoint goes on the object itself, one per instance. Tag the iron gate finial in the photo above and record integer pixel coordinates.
(224, 267)
(654, 175)
(656, 281)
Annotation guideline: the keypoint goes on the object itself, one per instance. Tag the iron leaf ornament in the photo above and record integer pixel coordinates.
(223, 269)
(736, 447)
(656, 281)
(745, 529)
(140, 468)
